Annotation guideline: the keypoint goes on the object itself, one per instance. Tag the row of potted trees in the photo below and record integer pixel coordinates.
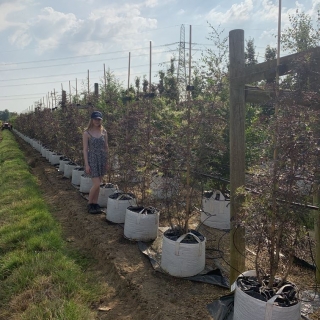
(183, 253)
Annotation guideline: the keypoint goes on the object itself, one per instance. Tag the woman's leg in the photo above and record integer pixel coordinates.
(94, 191)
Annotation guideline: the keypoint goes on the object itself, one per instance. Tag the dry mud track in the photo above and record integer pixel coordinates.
(136, 290)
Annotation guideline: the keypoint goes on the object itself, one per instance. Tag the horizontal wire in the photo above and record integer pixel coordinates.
(79, 62)
(88, 55)
(29, 84)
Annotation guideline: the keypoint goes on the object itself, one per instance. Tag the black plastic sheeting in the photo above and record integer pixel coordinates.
(222, 309)
(210, 275)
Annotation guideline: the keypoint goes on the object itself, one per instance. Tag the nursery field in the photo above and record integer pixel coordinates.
(137, 290)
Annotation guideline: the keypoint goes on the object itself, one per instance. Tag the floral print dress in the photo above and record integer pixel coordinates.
(97, 155)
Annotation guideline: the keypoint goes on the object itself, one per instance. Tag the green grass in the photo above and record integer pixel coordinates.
(39, 277)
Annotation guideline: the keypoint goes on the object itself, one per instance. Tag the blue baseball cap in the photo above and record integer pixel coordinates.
(96, 115)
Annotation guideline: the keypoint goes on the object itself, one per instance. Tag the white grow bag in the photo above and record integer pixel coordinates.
(36, 145)
(62, 162)
(106, 190)
(68, 167)
(216, 211)
(249, 308)
(48, 154)
(117, 206)
(183, 259)
(77, 172)
(43, 151)
(85, 183)
(141, 224)
(55, 158)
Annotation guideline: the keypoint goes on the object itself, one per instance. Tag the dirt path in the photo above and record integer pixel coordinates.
(137, 291)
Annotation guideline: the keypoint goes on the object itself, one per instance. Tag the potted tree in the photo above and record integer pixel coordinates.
(127, 145)
(142, 220)
(183, 248)
(275, 214)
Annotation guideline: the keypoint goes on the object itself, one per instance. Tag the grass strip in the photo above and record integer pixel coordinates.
(39, 277)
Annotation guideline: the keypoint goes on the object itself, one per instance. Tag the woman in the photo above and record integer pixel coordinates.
(95, 153)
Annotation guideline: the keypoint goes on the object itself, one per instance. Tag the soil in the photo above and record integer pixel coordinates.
(137, 291)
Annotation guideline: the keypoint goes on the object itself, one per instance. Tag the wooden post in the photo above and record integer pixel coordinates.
(190, 43)
(63, 98)
(88, 94)
(129, 68)
(316, 200)
(88, 82)
(150, 65)
(51, 100)
(77, 100)
(237, 148)
(96, 91)
(105, 81)
(55, 98)
(188, 134)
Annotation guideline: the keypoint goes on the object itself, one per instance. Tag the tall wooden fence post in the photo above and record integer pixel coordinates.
(237, 148)
(96, 92)
(63, 98)
(316, 202)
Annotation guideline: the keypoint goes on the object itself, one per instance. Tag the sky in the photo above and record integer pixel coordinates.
(50, 45)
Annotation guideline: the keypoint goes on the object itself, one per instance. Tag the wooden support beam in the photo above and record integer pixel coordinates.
(237, 149)
(267, 70)
(258, 95)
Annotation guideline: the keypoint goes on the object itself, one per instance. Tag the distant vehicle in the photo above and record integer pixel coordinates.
(6, 125)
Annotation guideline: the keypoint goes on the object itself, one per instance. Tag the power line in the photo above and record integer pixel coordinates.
(98, 54)
(80, 62)
(13, 99)
(48, 82)
(120, 68)
(50, 76)
(88, 55)
(19, 95)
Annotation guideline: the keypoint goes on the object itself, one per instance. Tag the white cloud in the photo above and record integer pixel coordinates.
(315, 4)
(237, 12)
(21, 38)
(300, 7)
(313, 12)
(6, 9)
(122, 25)
(151, 3)
(269, 11)
(52, 22)
(46, 30)
(181, 12)
(103, 28)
